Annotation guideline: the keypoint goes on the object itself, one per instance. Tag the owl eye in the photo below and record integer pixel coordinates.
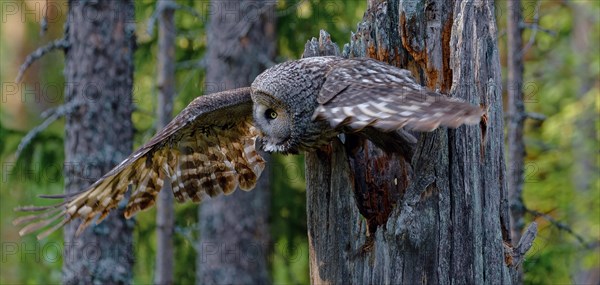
(270, 114)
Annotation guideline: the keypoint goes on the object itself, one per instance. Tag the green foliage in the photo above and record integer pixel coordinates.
(553, 83)
(297, 23)
(39, 170)
(190, 46)
(300, 21)
(562, 83)
(288, 223)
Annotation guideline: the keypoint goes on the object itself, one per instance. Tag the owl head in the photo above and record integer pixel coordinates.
(285, 99)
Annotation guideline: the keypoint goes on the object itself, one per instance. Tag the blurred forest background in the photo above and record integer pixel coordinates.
(561, 87)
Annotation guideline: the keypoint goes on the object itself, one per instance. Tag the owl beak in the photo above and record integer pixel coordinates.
(269, 146)
(260, 144)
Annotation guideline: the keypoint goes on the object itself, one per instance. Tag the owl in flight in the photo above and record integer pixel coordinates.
(210, 147)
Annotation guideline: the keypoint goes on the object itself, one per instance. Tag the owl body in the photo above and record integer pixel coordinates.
(301, 105)
(209, 148)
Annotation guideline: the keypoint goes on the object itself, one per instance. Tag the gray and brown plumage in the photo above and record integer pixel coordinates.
(209, 148)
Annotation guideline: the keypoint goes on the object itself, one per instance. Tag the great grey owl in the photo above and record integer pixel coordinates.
(209, 148)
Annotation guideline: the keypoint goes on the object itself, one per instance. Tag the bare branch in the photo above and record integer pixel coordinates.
(40, 52)
(535, 116)
(34, 132)
(536, 19)
(44, 25)
(537, 27)
(44, 22)
(525, 243)
(50, 116)
(515, 255)
(162, 5)
(534, 27)
(564, 227)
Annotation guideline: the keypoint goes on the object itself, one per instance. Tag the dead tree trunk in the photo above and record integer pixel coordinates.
(99, 132)
(516, 118)
(441, 216)
(165, 216)
(234, 232)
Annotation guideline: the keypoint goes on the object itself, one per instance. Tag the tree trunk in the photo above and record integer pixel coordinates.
(585, 165)
(234, 233)
(444, 218)
(516, 119)
(99, 76)
(165, 216)
(584, 141)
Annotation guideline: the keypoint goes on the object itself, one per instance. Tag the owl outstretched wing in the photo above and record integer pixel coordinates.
(208, 149)
(366, 94)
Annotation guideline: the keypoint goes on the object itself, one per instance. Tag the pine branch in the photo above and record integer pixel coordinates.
(50, 116)
(535, 116)
(39, 53)
(534, 27)
(564, 227)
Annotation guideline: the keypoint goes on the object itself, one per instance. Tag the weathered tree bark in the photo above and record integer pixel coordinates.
(516, 119)
(449, 220)
(99, 77)
(165, 213)
(234, 233)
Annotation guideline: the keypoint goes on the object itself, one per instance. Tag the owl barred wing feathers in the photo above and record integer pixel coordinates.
(208, 149)
(361, 93)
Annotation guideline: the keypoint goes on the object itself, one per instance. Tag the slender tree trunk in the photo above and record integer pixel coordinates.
(234, 233)
(165, 217)
(516, 118)
(99, 77)
(584, 143)
(585, 166)
(448, 218)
